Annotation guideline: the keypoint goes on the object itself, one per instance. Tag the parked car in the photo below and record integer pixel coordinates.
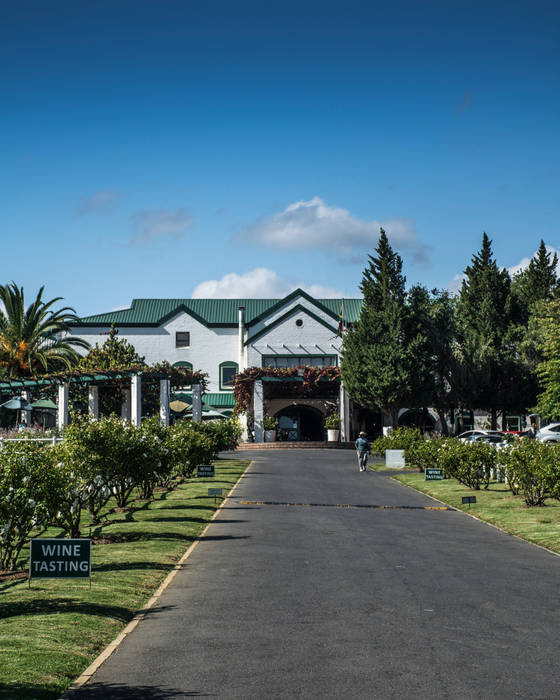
(549, 433)
(497, 441)
(468, 434)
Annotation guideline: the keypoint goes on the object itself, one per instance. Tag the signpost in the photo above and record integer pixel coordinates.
(58, 558)
(434, 474)
(205, 470)
(214, 492)
(468, 499)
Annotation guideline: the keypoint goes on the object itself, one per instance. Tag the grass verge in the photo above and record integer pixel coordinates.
(52, 632)
(498, 506)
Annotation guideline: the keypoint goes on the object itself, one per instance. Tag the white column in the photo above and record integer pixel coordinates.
(125, 405)
(27, 414)
(136, 399)
(258, 410)
(164, 385)
(344, 414)
(62, 406)
(93, 401)
(196, 403)
(242, 418)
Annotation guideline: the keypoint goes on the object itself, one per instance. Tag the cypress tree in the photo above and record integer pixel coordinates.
(537, 282)
(375, 363)
(484, 315)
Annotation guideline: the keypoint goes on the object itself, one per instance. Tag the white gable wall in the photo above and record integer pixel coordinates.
(287, 338)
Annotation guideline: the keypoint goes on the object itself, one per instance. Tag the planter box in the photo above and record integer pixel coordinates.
(270, 435)
(394, 458)
(332, 435)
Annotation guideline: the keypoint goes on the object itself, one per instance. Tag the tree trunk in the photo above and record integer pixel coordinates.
(494, 419)
(444, 427)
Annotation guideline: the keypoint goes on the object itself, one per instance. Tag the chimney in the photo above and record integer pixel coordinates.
(241, 338)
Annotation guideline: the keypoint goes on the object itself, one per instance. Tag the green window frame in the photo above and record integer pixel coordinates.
(272, 360)
(226, 384)
(186, 365)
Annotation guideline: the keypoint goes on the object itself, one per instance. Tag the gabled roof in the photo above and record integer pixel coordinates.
(214, 312)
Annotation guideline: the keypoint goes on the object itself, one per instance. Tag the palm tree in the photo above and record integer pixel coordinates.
(35, 339)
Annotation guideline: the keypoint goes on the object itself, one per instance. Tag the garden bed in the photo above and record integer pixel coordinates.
(51, 632)
(498, 506)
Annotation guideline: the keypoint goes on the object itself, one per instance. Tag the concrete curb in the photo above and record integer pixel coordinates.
(106, 653)
(480, 520)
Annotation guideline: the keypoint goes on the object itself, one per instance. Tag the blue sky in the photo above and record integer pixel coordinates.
(165, 149)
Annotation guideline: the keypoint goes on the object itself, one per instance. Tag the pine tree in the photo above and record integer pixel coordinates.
(375, 363)
(537, 282)
(484, 316)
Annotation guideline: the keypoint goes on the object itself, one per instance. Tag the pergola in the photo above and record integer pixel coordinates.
(131, 409)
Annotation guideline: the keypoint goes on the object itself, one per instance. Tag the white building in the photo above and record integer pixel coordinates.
(224, 336)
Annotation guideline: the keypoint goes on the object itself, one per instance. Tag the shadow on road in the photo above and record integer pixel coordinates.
(119, 691)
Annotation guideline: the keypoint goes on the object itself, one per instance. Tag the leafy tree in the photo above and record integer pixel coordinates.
(115, 353)
(34, 339)
(376, 358)
(548, 370)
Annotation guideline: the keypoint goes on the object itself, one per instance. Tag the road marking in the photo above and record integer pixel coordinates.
(342, 505)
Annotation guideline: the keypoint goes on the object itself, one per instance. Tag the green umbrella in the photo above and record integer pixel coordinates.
(43, 404)
(18, 403)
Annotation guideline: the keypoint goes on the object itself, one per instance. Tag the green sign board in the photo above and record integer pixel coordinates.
(434, 474)
(205, 470)
(57, 558)
(214, 492)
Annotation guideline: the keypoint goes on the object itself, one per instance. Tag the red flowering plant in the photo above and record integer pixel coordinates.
(315, 381)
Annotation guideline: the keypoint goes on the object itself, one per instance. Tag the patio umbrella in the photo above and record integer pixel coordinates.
(178, 406)
(17, 403)
(44, 406)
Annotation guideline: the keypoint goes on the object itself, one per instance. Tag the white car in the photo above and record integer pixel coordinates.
(469, 435)
(549, 433)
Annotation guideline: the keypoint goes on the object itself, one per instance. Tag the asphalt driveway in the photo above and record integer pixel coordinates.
(305, 587)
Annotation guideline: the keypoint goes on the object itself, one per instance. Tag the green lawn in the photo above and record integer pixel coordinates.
(52, 632)
(498, 506)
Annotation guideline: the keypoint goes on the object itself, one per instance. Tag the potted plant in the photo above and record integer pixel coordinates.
(270, 426)
(332, 424)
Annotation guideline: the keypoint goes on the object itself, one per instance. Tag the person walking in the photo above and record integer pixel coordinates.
(362, 450)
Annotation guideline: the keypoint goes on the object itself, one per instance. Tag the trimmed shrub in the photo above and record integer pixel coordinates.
(423, 454)
(399, 439)
(26, 479)
(532, 469)
(470, 463)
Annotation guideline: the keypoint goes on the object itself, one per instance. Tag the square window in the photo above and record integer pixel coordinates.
(182, 339)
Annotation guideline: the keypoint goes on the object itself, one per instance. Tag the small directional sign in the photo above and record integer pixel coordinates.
(205, 470)
(214, 492)
(468, 499)
(434, 474)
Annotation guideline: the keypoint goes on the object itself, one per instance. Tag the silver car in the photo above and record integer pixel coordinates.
(549, 433)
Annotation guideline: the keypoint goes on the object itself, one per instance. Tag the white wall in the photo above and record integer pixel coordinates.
(208, 346)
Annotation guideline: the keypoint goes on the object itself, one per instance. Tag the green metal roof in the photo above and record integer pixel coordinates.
(212, 312)
(214, 400)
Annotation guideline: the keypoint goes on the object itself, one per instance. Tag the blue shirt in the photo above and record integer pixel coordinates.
(362, 445)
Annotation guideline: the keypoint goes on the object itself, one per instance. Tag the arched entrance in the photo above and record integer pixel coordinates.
(297, 423)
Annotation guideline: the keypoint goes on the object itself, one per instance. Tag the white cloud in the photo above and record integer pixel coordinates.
(314, 224)
(256, 284)
(101, 202)
(455, 285)
(157, 223)
(524, 262)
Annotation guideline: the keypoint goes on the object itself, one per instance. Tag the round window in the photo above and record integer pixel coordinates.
(299, 322)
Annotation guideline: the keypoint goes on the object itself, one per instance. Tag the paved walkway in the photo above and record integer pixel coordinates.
(323, 601)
